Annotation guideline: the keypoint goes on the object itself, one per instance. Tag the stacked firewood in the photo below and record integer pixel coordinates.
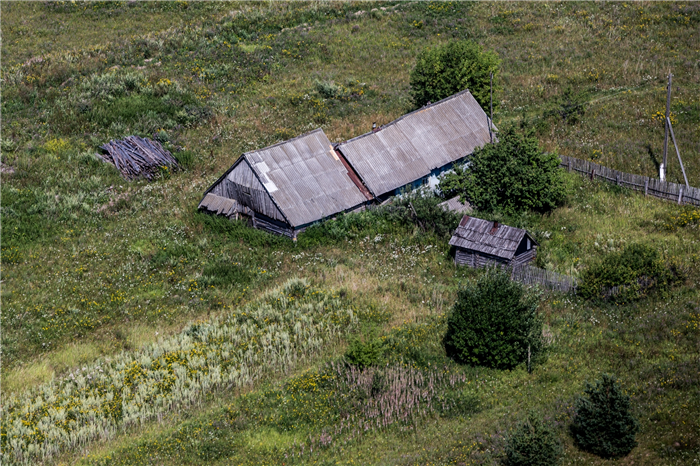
(137, 157)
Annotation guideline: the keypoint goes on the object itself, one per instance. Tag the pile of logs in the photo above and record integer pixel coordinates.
(137, 157)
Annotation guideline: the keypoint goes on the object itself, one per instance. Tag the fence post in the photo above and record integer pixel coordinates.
(617, 180)
(646, 186)
(680, 195)
(592, 173)
(569, 165)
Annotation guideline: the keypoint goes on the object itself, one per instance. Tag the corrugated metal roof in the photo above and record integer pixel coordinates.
(482, 236)
(409, 148)
(455, 205)
(305, 178)
(219, 205)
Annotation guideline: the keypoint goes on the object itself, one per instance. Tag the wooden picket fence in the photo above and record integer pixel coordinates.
(530, 275)
(675, 192)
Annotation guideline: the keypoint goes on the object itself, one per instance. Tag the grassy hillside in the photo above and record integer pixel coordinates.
(94, 266)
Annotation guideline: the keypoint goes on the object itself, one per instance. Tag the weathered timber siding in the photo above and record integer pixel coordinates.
(265, 223)
(524, 258)
(477, 260)
(674, 192)
(242, 184)
(529, 275)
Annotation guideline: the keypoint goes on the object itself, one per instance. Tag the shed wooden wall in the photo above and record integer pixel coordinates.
(477, 259)
(525, 257)
(263, 222)
(243, 186)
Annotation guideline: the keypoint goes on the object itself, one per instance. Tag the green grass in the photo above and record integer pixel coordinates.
(93, 265)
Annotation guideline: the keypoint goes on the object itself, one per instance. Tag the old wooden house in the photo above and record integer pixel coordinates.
(479, 243)
(286, 187)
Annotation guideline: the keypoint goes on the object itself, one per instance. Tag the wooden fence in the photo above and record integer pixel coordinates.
(530, 275)
(675, 192)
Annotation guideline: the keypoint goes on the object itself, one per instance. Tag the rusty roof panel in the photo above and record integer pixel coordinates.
(482, 236)
(305, 178)
(412, 146)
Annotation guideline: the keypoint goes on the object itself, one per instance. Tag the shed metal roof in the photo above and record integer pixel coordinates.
(305, 178)
(409, 148)
(219, 205)
(482, 236)
(455, 205)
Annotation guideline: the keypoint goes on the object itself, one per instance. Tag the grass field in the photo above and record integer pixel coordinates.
(94, 267)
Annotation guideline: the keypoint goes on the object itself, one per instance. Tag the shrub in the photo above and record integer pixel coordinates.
(185, 159)
(512, 175)
(532, 443)
(570, 106)
(423, 209)
(450, 68)
(364, 352)
(412, 209)
(493, 323)
(632, 272)
(603, 424)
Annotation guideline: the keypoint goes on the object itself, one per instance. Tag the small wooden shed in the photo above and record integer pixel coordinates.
(479, 243)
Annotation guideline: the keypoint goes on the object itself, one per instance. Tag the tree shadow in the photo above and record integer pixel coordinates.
(653, 158)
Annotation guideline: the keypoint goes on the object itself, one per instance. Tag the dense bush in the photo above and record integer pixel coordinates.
(511, 176)
(635, 271)
(493, 323)
(603, 424)
(414, 209)
(364, 352)
(450, 68)
(532, 443)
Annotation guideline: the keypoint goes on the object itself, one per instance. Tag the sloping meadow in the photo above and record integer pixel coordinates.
(285, 326)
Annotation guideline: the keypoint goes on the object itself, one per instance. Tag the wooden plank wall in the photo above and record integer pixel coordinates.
(243, 186)
(521, 272)
(675, 192)
(524, 258)
(530, 275)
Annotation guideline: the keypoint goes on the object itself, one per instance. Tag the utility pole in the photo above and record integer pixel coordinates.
(662, 168)
(491, 110)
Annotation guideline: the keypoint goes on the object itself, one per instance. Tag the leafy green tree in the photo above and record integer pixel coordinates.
(532, 443)
(510, 176)
(450, 68)
(603, 424)
(493, 323)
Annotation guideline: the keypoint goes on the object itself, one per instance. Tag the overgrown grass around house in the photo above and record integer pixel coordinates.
(93, 266)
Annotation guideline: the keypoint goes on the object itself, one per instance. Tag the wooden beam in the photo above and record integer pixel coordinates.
(678, 153)
(664, 165)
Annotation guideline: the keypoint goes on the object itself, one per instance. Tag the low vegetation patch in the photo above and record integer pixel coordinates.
(413, 210)
(286, 326)
(629, 274)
